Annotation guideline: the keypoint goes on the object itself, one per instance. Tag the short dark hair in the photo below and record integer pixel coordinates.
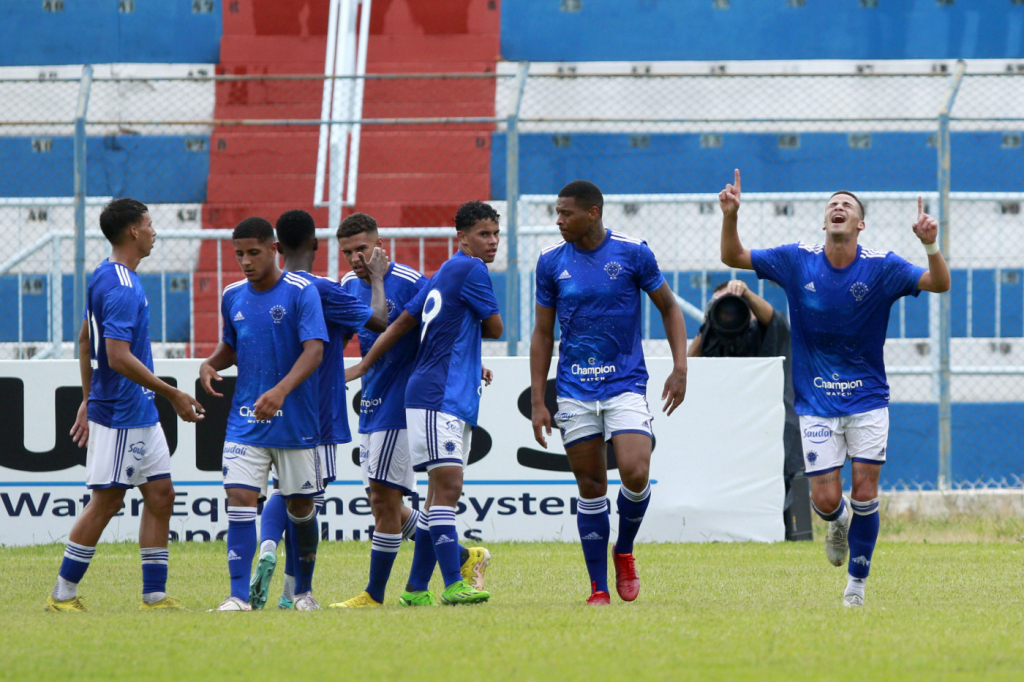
(254, 228)
(471, 213)
(295, 227)
(357, 223)
(851, 194)
(720, 286)
(586, 194)
(118, 216)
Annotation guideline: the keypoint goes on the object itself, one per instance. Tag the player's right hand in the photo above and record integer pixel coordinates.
(187, 407)
(378, 263)
(541, 422)
(80, 429)
(729, 198)
(207, 375)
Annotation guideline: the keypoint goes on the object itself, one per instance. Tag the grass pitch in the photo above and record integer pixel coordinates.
(715, 611)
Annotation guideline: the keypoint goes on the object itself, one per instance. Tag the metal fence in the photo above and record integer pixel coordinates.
(205, 151)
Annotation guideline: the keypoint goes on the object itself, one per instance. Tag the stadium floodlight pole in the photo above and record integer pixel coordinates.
(80, 189)
(945, 303)
(512, 312)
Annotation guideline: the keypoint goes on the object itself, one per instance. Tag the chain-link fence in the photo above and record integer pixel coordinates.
(206, 151)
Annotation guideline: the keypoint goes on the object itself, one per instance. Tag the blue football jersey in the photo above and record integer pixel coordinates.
(382, 403)
(450, 308)
(344, 316)
(266, 329)
(838, 318)
(596, 295)
(116, 308)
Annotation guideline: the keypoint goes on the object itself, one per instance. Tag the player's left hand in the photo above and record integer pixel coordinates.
(926, 227)
(354, 372)
(675, 391)
(268, 404)
(378, 263)
(488, 377)
(80, 430)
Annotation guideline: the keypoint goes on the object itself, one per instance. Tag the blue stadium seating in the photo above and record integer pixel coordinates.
(647, 30)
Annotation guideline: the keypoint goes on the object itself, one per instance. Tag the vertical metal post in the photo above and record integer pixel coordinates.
(945, 303)
(80, 192)
(512, 332)
(56, 298)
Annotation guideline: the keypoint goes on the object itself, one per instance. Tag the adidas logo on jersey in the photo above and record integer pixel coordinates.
(233, 555)
(443, 540)
(565, 275)
(810, 287)
(307, 486)
(239, 316)
(592, 536)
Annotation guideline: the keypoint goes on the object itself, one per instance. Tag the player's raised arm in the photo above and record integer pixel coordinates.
(377, 266)
(382, 345)
(119, 355)
(542, 343)
(733, 253)
(80, 429)
(937, 278)
(675, 332)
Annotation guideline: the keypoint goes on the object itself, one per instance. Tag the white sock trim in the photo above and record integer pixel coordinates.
(635, 497)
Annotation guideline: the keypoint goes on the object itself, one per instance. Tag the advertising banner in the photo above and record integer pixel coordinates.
(716, 471)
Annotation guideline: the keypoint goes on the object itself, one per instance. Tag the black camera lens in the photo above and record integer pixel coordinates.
(729, 314)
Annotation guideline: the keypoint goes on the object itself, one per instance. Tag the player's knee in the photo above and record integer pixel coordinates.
(825, 499)
(864, 490)
(300, 506)
(160, 503)
(591, 487)
(383, 507)
(635, 476)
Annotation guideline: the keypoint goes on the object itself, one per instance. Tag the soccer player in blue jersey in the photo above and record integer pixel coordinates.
(454, 311)
(384, 448)
(344, 316)
(118, 418)
(839, 297)
(592, 282)
(274, 332)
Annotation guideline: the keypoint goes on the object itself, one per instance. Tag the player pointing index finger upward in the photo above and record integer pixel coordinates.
(839, 297)
(592, 281)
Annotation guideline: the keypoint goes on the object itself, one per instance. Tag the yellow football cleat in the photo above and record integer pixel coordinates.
(73, 604)
(362, 600)
(167, 603)
(475, 567)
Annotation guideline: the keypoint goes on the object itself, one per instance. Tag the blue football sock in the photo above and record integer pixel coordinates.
(154, 573)
(305, 539)
(423, 558)
(290, 558)
(274, 519)
(862, 537)
(594, 526)
(72, 569)
(241, 549)
(632, 507)
(383, 551)
(446, 542)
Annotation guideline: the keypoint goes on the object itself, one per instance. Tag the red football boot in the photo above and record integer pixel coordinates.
(627, 582)
(598, 597)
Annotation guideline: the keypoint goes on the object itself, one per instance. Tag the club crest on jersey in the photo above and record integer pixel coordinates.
(277, 313)
(859, 290)
(613, 269)
(391, 306)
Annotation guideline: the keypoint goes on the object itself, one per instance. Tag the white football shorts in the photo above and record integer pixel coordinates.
(124, 458)
(579, 420)
(327, 456)
(248, 466)
(437, 439)
(384, 458)
(829, 441)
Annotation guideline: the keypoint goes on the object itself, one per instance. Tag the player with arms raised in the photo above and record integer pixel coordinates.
(384, 448)
(455, 310)
(839, 297)
(274, 332)
(592, 281)
(118, 418)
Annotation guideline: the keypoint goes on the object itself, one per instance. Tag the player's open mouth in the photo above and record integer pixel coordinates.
(838, 218)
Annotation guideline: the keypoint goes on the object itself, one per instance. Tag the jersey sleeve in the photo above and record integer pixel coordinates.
(415, 305)
(546, 293)
(311, 315)
(902, 276)
(344, 309)
(776, 264)
(229, 335)
(478, 292)
(649, 275)
(120, 313)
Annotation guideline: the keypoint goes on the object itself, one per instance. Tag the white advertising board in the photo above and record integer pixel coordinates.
(716, 471)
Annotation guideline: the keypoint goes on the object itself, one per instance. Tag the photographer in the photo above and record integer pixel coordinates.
(739, 323)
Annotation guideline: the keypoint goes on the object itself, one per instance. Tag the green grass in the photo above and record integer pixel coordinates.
(713, 611)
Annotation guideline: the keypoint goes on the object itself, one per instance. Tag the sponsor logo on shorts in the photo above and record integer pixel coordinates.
(837, 386)
(564, 416)
(453, 425)
(138, 450)
(250, 415)
(277, 313)
(862, 560)
(449, 446)
(817, 433)
(859, 291)
(881, 454)
(307, 486)
(364, 454)
(443, 540)
(613, 269)
(232, 451)
(812, 456)
(592, 536)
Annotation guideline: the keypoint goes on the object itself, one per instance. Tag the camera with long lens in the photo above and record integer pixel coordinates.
(729, 330)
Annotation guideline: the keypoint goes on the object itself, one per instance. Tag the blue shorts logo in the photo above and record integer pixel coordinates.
(138, 450)
(812, 456)
(129, 471)
(449, 446)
